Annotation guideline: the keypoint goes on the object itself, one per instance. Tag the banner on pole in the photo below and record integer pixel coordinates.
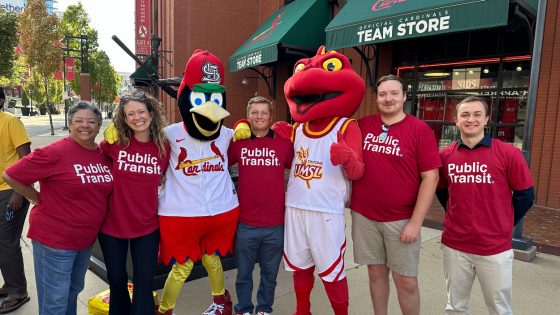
(143, 27)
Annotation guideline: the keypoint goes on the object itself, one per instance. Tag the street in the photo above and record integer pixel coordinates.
(39, 125)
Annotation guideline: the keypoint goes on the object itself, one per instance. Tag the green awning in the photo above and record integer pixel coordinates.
(362, 22)
(300, 24)
(142, 78)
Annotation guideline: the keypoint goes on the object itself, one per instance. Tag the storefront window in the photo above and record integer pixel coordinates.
(435, 90)
(516, 74)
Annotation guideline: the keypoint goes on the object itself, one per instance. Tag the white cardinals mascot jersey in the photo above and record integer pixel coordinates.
(195, 182)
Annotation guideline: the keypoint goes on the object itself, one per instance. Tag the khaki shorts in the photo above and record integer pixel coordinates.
(378, 243)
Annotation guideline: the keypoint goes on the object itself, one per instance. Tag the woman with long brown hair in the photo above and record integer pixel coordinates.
(140, 156)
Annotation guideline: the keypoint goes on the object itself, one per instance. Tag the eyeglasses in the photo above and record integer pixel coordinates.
(383, 135)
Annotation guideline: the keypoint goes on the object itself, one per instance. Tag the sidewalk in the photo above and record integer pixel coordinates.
(536, 284)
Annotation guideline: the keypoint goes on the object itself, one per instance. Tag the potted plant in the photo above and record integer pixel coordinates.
(42, 109)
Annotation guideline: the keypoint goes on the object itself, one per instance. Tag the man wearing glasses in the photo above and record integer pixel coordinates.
(392, 199)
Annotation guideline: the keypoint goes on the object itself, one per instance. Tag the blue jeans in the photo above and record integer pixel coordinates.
(144, 252)
(252, 245)
(59, 275)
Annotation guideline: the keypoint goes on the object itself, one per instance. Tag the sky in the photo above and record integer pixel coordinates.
(110, 17)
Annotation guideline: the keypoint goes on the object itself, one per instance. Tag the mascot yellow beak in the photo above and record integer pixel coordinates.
(211, 110)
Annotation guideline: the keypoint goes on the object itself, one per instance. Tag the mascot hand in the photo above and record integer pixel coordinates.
(110, 134)
(282, 129)
(242, 130)
(340, 151)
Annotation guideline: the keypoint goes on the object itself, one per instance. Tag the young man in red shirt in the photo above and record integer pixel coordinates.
(486, 188)
(260, 231)
(389, 203)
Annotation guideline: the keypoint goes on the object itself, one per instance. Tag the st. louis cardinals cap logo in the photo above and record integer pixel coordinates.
(210, 73)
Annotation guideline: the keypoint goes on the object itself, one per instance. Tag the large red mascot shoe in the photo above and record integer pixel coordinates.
(221, 306)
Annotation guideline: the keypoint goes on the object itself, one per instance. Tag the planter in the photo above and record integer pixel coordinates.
(42, 110)
(25, 111)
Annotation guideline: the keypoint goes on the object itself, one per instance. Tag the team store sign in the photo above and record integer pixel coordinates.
(414, 25)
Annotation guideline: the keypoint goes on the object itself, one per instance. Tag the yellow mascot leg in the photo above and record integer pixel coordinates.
(213, 266)
(173, 285)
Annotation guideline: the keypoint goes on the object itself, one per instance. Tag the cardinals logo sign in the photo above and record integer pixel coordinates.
(193, 167)
(307, 169)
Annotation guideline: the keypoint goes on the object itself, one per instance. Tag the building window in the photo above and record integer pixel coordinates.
(434, 90)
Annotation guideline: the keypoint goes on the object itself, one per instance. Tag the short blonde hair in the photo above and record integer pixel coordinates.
(259, 100)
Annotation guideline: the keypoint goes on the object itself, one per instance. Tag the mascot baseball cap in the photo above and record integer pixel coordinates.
(203, 69)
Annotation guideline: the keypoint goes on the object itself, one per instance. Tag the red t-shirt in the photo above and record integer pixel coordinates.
(479, 212)
(75, 187)
(261, 164)
(137, 171)
(389, 188)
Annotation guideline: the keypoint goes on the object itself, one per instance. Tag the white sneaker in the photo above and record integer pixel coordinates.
(263, 313)
(214, 309)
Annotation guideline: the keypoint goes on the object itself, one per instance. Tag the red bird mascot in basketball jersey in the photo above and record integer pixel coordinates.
(322, 94)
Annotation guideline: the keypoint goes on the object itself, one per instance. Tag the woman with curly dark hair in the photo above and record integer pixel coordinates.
(140, 156)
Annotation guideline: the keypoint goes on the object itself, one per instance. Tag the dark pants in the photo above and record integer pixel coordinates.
(11, 260)
(262, 245)
(144, 251)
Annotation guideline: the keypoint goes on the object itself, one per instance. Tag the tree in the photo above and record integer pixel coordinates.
(105, 77)
(39, 30)
(75, 22)
(19, 74)
(8, 40)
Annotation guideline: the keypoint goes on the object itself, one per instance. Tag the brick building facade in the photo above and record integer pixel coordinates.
(223, 26)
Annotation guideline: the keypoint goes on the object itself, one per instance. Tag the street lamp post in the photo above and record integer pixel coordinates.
(31, 101)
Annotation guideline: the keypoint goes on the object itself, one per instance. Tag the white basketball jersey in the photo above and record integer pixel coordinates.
(315, 184)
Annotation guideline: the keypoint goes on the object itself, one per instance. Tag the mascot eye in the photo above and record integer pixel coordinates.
(299, 67)
(197, 98)
(332, 64)
(217, 98)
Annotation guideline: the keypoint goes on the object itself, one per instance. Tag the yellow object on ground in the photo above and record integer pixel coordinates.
(99, 303)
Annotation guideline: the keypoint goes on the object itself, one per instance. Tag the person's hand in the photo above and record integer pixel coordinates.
(242, 131)
(15, 201)
(110, 134)
(282, 129)
(410, 233)
(340, 151)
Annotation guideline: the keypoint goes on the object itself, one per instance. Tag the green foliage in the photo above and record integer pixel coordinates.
(39, 30)
(19, 75)
(75, 22)
(105, 76)
(8, 40)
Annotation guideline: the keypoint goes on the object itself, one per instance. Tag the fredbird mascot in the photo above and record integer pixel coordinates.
(198, 207)
(323, 92)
